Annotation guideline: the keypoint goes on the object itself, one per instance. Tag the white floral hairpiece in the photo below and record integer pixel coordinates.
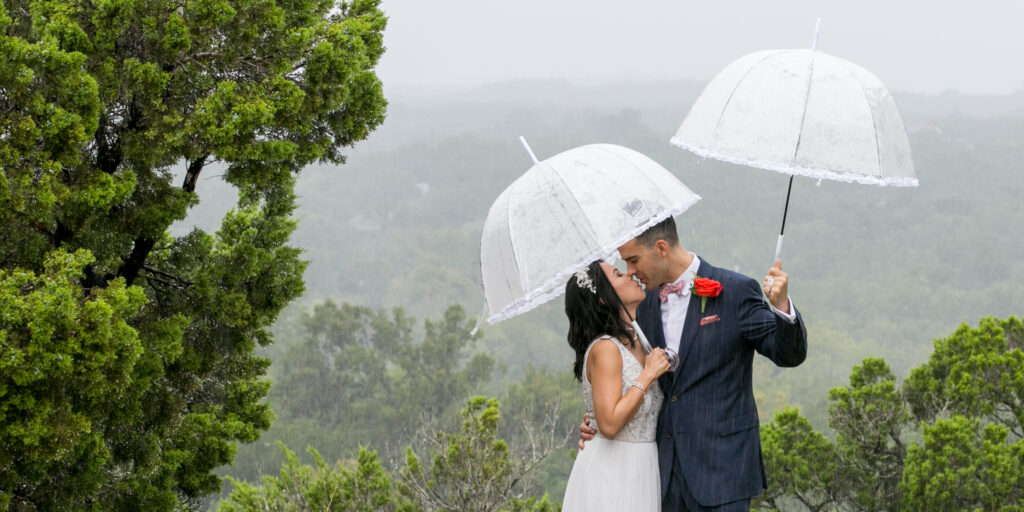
(583, 281)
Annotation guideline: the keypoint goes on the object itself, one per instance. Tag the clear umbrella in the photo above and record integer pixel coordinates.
(565, 212)
(803, 113)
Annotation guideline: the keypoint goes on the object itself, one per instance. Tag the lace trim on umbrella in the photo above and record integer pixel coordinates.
(885, 181)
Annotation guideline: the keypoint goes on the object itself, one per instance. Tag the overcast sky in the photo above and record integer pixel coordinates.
(974, 46)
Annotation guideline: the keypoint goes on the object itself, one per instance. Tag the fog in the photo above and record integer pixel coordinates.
(913, 46)
(399, 224)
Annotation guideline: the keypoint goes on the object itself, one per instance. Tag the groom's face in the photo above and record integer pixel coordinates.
(646, 263)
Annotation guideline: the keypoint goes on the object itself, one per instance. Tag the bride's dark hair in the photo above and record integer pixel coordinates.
(593, 313)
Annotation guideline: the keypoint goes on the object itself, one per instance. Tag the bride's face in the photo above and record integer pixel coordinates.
(629, 291)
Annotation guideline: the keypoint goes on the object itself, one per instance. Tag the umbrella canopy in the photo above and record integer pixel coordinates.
(565, 212)
(801, 112)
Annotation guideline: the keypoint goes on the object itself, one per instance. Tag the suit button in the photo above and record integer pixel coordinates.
(674, 398)
(668, 436)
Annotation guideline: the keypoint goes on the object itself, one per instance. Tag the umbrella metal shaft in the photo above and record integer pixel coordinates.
(785, 212)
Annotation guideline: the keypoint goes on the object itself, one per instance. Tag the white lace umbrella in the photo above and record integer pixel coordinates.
(803, 113)
(565, 212)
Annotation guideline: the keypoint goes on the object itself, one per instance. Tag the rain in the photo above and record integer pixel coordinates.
(431, 300)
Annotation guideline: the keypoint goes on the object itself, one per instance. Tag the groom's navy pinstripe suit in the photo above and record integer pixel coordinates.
(708, 427)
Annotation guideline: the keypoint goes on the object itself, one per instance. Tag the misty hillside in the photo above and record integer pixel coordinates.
(875, 271)
(888, 269)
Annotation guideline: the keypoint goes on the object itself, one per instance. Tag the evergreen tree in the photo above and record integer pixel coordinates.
(367, 487)
(948, 440)
(362, 378)
(869, 417)
(472, 470)
(541, 411)
(976, 373)
(127, 366)
(801, 464)
(961, 466)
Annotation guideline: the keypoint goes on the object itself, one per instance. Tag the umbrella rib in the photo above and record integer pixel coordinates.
(721, 115)
(587, 229)
(579, 228)
(647, 177)
(874, 120)
(515, 257)
(803, 116)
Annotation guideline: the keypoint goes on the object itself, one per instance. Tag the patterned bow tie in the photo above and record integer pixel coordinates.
(678, 288)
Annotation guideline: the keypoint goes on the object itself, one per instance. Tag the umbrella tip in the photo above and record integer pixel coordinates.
(817, 28)
(479, 320)
(528, 150)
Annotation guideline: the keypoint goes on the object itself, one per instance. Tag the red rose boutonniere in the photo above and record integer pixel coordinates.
(704, 288)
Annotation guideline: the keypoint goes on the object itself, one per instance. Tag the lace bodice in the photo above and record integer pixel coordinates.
(642, 428)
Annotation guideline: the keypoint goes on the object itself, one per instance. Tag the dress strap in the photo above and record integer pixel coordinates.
(586, 355)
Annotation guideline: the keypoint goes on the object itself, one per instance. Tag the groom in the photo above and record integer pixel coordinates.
(709, 445)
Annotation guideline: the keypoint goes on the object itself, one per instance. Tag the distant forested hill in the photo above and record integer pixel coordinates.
(875, 271)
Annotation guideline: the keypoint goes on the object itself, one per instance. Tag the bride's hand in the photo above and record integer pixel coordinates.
(656, 363)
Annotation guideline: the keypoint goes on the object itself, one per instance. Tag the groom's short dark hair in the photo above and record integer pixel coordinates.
(664, 230)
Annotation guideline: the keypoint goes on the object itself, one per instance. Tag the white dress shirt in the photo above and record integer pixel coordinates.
(673, 310)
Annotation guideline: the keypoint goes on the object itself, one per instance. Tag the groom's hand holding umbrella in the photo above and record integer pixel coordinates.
(776, 287)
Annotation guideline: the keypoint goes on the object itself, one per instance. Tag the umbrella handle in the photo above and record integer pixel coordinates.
(785, 213)
(643, 339)
(673, 357)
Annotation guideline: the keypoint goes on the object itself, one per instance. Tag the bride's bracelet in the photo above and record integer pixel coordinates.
(640, 387)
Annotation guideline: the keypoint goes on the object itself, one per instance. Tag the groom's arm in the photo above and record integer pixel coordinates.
(772, 335)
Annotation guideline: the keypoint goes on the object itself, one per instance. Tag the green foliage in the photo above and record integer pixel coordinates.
(359, 377)
(355, 362)
(441, 365)
(544, 504)
(929, 446)
(802, 463)
(470, 470)
(367, 487)
(129, 356)
(974, 373)
(66, 366)
(339, 373)
(869, 417)
(542, 409)
(962, 467)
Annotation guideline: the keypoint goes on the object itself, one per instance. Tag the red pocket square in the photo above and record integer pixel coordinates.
(709, 320)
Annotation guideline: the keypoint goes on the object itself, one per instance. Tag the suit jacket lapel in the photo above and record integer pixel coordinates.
(690, 325)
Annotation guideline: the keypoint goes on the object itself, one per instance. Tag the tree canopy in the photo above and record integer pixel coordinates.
(469, 469)
(947, 439)
(127, 367)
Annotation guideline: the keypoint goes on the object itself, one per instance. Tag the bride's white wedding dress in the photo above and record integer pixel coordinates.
(621, 473)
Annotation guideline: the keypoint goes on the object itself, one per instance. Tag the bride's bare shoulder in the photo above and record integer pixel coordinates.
(604, 356)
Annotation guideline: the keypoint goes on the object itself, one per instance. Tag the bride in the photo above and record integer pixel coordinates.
(619, 468)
